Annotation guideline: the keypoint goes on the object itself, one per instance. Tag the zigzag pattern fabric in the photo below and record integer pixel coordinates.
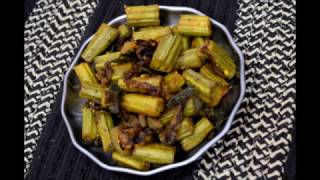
(257, 145)
(52, 32)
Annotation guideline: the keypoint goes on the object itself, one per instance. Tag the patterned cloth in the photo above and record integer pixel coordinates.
(257, 145)
(52, 32)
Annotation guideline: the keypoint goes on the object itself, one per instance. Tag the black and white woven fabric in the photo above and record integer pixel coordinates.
(257, 145)
(52, 32)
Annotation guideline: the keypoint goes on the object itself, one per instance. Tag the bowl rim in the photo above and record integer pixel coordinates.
(197, 154)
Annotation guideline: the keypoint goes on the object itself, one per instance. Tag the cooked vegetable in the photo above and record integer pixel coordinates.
(185, 43)
(114, 98)
(155, 33)
(100, 42)
(104, 123)
(109, 57)
(89, 127)
(218, 93)
(194, 25)
(192, 106)
(173, 82)
(202, 128)
(149, 86)
(116, 141)
(203, 86)
(119, 70)
(186, 128)
(145, 50)
(180, 98)
(207, 71)
(166, 53)
(124, 31)
(168, 115)
(85, 73)
(190, 58)
(139, 16)
(150, 105)
(174, 29)
(197, 42)
(169, 133)
(144, 138)
(154, 153)
(220, 58)
(154, 123)
(222, 87)
(105, 99)
(207, 90)
(129, 161)
(128, 131)
(91, 91)
(142, 120)
(143, 84)
(128, 48)
(104, 74)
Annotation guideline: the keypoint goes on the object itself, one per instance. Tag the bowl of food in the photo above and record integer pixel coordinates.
(153, 89)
